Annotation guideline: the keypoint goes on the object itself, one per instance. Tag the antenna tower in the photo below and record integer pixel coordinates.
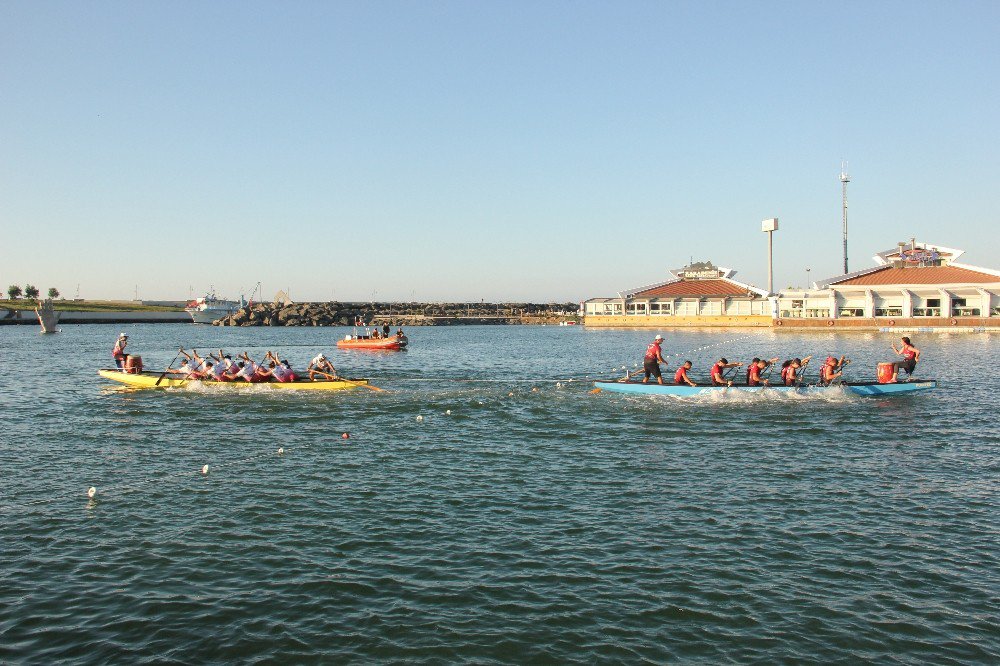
(844, 180)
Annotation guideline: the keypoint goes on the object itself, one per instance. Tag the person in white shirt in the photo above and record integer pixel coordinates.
(184, 369)
(321, 365)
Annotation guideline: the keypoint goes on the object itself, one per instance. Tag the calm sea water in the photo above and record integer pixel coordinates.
(534, 522)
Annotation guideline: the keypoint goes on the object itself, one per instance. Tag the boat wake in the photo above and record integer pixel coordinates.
(829, 394)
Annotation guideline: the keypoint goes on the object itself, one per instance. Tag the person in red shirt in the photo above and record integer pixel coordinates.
(118, 353)
(832, 369)
(791, 370)
(910, 356)
(652, 360)
(681, 376)
(754, 377)
(718, 373)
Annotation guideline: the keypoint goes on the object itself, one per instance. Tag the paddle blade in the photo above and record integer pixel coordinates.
(596, 390)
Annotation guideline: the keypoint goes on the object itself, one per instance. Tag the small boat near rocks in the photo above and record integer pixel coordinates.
(391, 343)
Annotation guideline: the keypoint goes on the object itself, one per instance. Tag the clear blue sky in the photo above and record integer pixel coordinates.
(475, 150)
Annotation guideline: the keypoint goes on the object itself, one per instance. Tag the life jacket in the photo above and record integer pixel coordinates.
(117, 352)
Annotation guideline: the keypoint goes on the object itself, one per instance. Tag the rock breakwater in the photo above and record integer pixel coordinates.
(334, 313)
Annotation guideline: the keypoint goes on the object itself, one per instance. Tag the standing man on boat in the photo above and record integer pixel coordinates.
(118, 353)
(910, 356)
(652, 360)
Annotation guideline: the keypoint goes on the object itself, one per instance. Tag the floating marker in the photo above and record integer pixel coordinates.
(91, 492)
(345, 436)
(558, 384)
(448, 412)
(534, 389)
(510, 395)
(204, 470)
(419, 417)
(281, 451)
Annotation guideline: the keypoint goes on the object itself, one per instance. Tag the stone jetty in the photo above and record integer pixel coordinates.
(334, 313)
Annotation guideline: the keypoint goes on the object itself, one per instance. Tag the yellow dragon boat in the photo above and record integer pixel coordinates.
(149, 379)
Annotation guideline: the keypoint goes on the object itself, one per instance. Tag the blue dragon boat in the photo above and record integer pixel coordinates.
(683, 390)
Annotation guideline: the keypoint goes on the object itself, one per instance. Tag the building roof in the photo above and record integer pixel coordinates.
(923, 275)
(694, 288)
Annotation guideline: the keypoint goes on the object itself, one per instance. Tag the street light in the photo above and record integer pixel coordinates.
(769, 226)
(807, 278)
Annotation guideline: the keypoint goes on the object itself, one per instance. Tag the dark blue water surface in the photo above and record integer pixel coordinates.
(534, 522)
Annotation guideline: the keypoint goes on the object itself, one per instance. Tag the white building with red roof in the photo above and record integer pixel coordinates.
(700, 294)
(914, 285)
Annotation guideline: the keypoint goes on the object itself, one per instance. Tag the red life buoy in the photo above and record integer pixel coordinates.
(779, 323)
(892, 322)
(829, 323)
(954, 322)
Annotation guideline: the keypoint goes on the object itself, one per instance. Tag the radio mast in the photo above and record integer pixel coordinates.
(844, 180)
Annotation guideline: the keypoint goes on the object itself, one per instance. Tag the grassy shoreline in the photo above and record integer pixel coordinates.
(25, 304)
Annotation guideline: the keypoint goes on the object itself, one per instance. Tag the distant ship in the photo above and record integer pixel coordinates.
(206, 309)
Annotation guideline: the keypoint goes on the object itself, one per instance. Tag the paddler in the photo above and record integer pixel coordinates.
(791, 370)
(320, 364)
(910, 356)
(681, 376)
(754, 377)
(118, 353)
(718, 372)
(832, 369)
(652, 360)
(195, 363)
(248, 369)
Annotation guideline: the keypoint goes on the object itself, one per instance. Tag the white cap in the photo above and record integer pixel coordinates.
(122, 335)
(658, 337)
(321, 355)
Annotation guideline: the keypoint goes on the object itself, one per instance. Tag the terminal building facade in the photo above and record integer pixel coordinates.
(911, 286)
(700, 294)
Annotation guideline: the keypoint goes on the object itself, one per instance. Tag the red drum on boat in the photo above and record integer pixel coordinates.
(133, 364)
(884, 373)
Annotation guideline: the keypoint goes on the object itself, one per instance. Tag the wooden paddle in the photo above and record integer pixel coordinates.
(348, 381)
(168, 368)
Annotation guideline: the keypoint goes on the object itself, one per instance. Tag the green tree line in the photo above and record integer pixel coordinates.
(30, 291)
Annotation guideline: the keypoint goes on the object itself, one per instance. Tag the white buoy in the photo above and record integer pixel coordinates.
(419, 418)
(91, 492)
(204, 470)
(448, 412)
(558, 384)
(281, 451)
(510, 395)
(534, 389)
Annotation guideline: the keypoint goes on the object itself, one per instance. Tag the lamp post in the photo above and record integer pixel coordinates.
(769, 226)
(807, 278)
